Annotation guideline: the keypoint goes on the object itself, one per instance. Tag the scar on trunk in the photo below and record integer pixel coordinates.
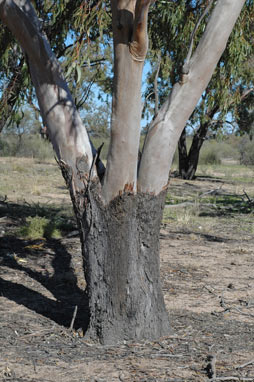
(138, 46)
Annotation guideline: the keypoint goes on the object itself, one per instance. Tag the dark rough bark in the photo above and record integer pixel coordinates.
(120, 245)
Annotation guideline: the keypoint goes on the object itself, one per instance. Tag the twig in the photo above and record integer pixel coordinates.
(240, 379)
(243, 313)
(156, 95)
(209, 290)
(245, 364)
(74, 317)
(222, 302)
(167, 355)
(212, 192)
(247, 196)
(38, 333)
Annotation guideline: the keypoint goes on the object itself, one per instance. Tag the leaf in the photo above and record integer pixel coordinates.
(69, 71)
(78, 71)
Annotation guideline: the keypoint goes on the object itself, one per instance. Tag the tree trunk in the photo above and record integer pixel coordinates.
(120, 247)
(188, 163)
(182, 155)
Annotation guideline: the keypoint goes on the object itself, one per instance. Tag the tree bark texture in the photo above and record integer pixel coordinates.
(120, 247)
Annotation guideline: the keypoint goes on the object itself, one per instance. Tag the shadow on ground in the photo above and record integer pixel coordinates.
(31, 258)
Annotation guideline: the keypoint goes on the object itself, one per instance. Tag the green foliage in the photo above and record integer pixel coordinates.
(171, 25)
(38, 227)
(76, 31)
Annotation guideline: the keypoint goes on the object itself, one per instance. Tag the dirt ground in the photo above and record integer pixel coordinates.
(208, 283)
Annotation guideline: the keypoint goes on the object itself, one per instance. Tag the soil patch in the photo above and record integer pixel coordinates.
(208, 284)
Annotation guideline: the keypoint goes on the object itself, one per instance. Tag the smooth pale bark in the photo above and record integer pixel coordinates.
(167, 127)
(67, 132)
(129, 20)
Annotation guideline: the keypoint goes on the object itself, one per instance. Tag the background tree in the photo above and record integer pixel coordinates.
(227, 88)
(119, 208)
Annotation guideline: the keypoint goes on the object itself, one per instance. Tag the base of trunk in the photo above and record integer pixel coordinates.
(120, 245)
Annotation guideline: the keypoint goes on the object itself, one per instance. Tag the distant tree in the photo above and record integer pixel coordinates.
(119, 208)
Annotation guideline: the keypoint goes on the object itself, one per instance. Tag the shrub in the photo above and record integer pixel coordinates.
(37, 227)
(209, 156)
(4, 147)
(31, 146)
(246, 149)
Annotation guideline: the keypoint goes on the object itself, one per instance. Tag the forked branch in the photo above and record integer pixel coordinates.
(185, 69)
(167, 127)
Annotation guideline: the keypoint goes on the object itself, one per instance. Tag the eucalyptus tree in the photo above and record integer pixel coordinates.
(170, 35)
(119, 208)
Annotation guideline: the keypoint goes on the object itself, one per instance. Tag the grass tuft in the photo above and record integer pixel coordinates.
(39, 227)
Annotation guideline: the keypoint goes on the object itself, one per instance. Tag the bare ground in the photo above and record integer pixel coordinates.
(208, 283)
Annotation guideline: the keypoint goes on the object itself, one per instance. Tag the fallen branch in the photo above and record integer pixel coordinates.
(245, 364)
(186, 204)
(240, 379)
(250, 201)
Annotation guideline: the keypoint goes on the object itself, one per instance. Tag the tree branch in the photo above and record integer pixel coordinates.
(185, 68)
(66, 130)
(155, 85)
(139, 43)
(166, 128)
(129, 19)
